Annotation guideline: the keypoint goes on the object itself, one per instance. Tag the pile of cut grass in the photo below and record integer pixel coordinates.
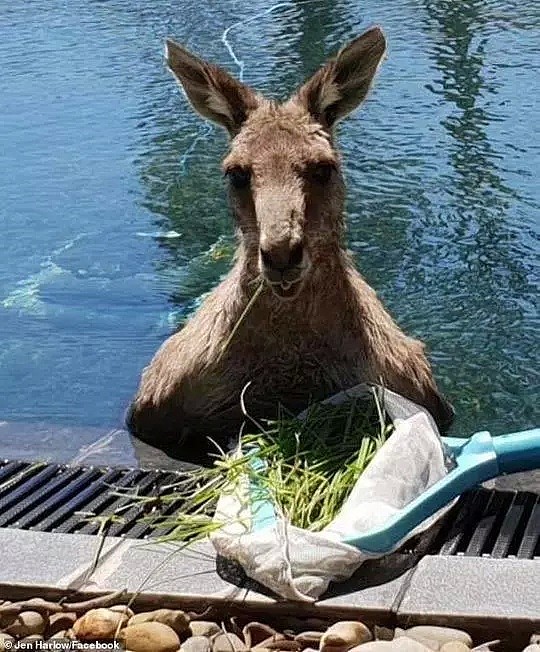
(306, 466)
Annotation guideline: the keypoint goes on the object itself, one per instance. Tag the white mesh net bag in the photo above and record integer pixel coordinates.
(299, 564)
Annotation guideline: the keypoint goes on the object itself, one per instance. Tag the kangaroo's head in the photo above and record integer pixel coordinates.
(286, 185)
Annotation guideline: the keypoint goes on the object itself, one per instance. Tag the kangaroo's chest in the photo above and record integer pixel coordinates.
(295, 359)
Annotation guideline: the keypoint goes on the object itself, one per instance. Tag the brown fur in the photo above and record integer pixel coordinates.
(317, 327)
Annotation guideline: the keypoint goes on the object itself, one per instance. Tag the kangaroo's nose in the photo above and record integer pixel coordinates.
(282, 257)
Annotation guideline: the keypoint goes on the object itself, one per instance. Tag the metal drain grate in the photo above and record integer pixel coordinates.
(57, 498)
(498, 524)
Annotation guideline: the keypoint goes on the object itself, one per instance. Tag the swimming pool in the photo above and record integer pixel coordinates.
(114, 217)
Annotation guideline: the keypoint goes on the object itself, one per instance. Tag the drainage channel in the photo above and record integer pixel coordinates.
(66, 499)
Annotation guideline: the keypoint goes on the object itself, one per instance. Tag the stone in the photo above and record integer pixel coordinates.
(177, 620)
(282, 644)
(99, 623)
(309, 639)
(60, 622)
(270, 641)
(204, 628)
(344, 635)
(255, 632)
(376, 646)
(150, 636)
(383, 633)
(61, 634)
(228, 643)
(122, 609)
(428, 643)
(196, 644)
(439, 634)
(26, 624)
(406, 644)
(455, 646)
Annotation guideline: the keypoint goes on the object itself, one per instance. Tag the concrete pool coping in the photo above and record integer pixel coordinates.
(486, 596)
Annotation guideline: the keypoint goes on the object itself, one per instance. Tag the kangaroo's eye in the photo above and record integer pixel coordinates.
(240, 178)
(321, 173)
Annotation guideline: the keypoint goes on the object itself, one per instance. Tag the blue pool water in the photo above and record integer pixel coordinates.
(113, 212)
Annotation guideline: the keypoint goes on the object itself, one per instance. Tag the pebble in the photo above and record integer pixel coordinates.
(150, 636)
(406, 644)
(309, 638)
(375, 646)
(268, 642)
(283, 644)
(175, 619)
(122, 609)
(402, 644)
(344, 635)
(455, 646)
(26, 624)
(255, 633)
(196, 644)
(228, 643)
(61, 634)
(99, 623)
(426, 642)
(170, 630)
(383, 633)
(59, 622)
(204, 628)
(439, 634)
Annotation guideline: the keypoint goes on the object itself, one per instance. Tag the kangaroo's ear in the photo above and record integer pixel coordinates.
(213, 93)
(343, 82)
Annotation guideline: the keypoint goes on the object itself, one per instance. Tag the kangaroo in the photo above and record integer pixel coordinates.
(315, 327)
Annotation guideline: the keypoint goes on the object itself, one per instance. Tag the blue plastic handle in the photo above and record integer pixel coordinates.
(518, 451)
